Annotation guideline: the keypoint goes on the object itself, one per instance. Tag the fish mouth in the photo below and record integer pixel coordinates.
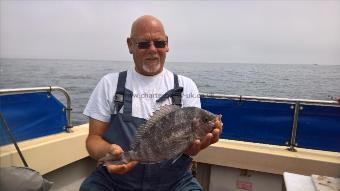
(213, 116)
(219, 117)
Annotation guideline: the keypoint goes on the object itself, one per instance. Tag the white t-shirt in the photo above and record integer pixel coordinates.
(146, 90)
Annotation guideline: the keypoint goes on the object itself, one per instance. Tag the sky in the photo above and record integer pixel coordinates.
(243, 31)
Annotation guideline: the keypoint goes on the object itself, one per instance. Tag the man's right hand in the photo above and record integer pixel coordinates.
(119, 168)
(98, 147)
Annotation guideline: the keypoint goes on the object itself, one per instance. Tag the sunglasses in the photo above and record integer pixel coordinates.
(156, 43)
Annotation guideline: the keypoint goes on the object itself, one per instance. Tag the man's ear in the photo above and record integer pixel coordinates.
(167, 44)
(130, 44)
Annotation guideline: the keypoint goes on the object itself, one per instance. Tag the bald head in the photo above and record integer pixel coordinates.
(148, 44)
(146, 23)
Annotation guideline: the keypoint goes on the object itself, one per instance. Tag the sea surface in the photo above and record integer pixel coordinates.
(79, 77)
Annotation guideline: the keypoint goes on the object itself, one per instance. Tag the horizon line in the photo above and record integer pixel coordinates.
(200, 62)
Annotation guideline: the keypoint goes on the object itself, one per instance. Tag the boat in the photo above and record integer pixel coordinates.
(262, 138)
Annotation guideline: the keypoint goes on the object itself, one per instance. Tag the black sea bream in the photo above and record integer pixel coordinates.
(166, 135)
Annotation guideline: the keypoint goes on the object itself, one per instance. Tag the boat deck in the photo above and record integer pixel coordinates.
(270, 158)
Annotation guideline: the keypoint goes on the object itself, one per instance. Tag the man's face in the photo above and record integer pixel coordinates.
(148, 49)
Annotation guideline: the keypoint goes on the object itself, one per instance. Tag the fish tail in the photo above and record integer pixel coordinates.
(111, 162)
(110, 159)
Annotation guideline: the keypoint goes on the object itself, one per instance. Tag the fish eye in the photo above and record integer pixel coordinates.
(205, 120)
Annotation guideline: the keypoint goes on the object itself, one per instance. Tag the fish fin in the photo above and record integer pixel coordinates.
(181, 146)
(138, 135)
(163, 111)
(156, 116)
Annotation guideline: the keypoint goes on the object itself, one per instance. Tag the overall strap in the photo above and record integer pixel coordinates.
(177, 96)
(119, 96)
(175, 93)
(176, 84)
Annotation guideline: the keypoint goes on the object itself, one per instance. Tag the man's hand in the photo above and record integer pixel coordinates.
(120, 168)
(209, 139)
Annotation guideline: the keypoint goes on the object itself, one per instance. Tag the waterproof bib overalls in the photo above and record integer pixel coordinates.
(167, 175)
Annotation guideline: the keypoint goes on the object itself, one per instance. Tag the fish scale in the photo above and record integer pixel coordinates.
(166, 135)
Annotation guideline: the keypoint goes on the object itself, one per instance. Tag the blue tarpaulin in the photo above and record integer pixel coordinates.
(271, 123)
(31, 115)
(253, 121)
(319, 128)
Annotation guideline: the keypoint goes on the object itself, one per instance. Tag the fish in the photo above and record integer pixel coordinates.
(166, 135)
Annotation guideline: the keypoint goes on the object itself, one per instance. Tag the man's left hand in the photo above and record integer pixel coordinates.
(209, 139)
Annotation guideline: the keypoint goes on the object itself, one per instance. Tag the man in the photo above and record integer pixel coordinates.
(121, 102)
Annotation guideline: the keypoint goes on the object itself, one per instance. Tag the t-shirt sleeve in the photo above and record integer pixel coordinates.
(190, 97)
(101, 103)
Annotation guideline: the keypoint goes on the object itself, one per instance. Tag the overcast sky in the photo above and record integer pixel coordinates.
(275, 32)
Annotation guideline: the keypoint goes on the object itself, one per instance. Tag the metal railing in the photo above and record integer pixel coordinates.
(271, 99)
(44, 89)
(296, 105)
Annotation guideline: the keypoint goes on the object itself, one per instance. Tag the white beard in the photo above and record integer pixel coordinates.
(151, 68)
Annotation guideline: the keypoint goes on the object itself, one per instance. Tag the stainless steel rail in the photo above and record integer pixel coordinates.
(292, 142)
(44, 89)
(296, 105)
(271, 99)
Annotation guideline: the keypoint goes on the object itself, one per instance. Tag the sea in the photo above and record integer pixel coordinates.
(79, 77)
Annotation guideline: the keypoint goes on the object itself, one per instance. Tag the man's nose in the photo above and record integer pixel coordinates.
(152, 47)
